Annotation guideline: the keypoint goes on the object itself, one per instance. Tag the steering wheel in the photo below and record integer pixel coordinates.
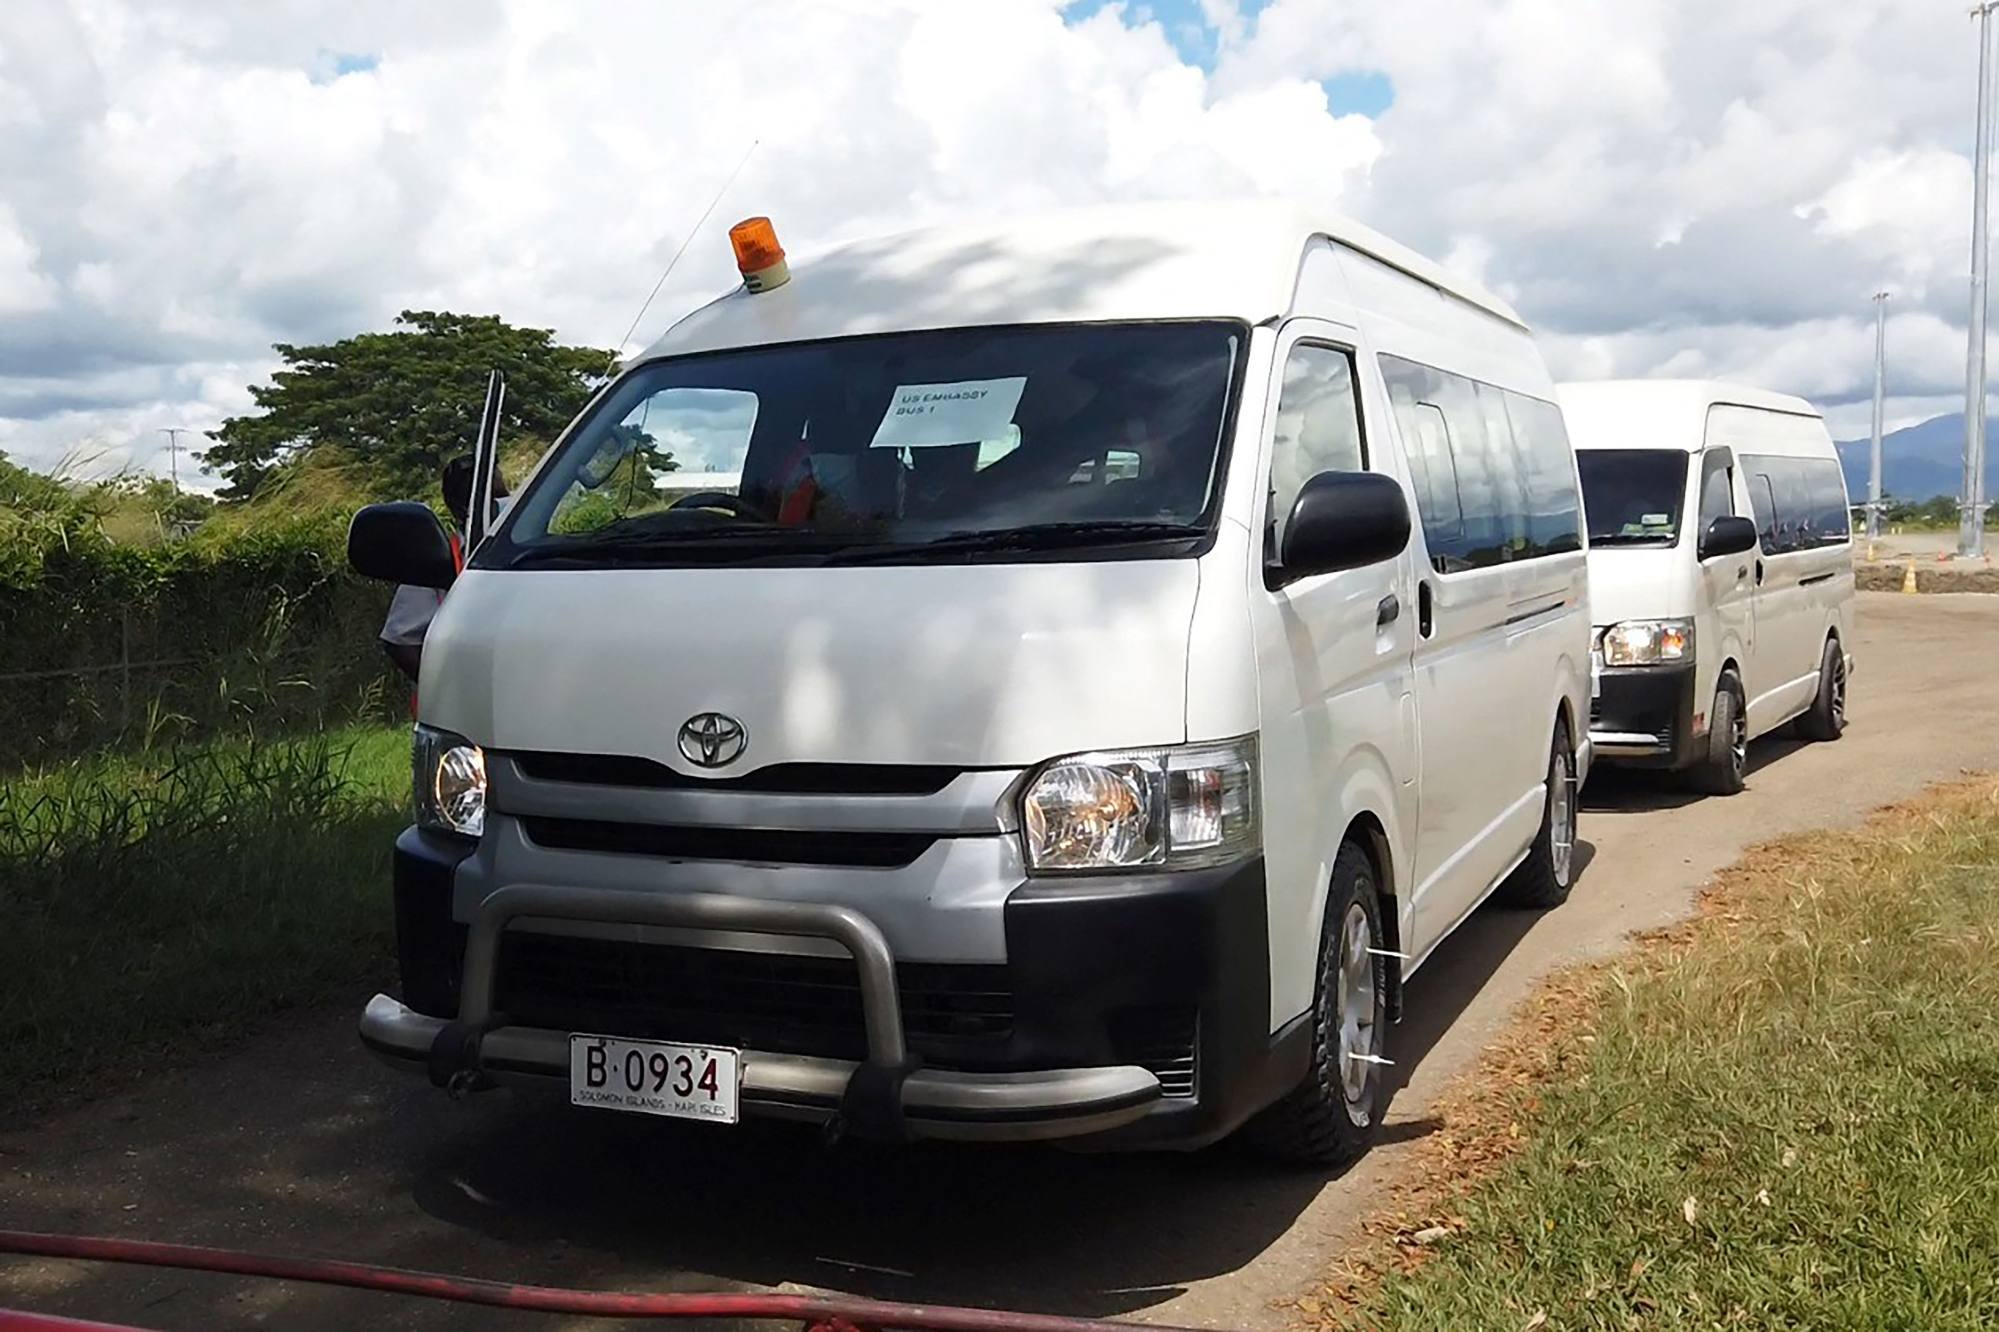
(733, 505)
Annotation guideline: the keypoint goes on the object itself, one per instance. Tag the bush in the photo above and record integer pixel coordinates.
(112, 645)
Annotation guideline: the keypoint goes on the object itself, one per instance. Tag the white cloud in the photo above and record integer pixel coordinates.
(1699, 185)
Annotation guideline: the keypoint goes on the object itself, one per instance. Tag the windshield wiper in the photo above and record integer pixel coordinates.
(596, 549)
(1034, 536)
(1632, 538)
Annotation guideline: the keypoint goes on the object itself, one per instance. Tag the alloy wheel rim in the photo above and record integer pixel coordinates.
(1738, 737)
(1355, 1013)
(1838, 690)
(1562, 815)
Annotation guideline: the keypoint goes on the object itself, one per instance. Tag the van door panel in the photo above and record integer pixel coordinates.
(1333, 678)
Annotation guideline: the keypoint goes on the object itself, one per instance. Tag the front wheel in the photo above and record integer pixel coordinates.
(1543, 879)
(1827, 718)
(1726, 766)
(1329, 1119)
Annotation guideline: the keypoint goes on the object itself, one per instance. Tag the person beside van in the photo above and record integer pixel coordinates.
(412, 608)
(1721, 572)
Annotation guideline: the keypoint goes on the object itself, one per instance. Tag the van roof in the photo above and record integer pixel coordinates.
(1659, 413)
(1119, 262)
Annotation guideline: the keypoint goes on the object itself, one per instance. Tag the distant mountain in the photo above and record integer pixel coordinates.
(1919, 461)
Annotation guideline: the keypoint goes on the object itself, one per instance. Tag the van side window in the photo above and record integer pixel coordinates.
(1800, 503)
(1717, 489)
(1495, 479)
(1555, 524)
(1318, 427)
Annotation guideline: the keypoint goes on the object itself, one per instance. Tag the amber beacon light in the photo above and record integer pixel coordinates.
(758, 255)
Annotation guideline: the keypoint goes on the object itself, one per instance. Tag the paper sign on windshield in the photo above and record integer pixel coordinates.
(922, 416)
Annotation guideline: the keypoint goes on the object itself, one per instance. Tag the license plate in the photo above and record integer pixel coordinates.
(1596, 675)
(655, 1078)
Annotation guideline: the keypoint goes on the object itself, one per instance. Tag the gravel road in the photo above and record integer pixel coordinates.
(298, 1142)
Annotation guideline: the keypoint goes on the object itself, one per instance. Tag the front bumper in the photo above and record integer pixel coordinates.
(1647, 716)
(479, 1045)
(1093, 964)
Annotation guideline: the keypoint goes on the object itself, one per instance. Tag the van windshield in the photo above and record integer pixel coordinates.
(1074, 441)
(1632, 497)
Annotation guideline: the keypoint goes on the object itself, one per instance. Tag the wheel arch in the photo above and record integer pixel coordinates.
(1367, 832)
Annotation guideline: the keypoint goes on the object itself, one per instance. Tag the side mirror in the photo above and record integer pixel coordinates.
(1344, 520)
(1731, 534)
(401, 542)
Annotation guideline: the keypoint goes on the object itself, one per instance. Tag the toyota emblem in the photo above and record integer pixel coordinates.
(712, 740)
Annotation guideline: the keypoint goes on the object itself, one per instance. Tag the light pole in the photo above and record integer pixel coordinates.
(1880, 401)
(1971, 526)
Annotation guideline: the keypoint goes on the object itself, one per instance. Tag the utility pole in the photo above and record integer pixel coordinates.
(173, 434)
(1880, 402)
(1971, 526)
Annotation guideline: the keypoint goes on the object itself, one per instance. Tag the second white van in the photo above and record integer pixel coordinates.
(1105, 657)
(1721, 572)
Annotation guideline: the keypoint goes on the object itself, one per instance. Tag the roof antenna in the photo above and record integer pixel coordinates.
(684, 242)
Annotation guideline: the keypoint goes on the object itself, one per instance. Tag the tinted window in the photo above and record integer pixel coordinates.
(886, 443)
(1633, 497)
(1555, 522)
(1717, 488)
(1318, 427)
(1800, 503)
(1492, 473)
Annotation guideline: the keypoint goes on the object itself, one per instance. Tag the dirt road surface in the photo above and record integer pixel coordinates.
(299, 1143)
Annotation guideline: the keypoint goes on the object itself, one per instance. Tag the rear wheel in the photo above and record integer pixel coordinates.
(1827, 718)
(1727, 763)
(1329, 1119)
(1543, 879)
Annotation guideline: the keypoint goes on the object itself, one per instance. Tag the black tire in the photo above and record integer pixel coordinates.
(1723, 771)
(1328, 1120)
(1542, 881)
(1827, 718)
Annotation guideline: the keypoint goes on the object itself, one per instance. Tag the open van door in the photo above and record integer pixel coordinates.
(485, 464)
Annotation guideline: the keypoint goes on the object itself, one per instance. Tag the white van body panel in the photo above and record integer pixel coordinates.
(1766, 615)
(1394, 728)
(1116, 262)
(982, 666)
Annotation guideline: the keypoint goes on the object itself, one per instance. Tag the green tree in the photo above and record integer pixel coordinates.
(403, 401)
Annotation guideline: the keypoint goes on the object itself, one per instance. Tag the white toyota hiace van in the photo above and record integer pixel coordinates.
(1053, 724)
(1721, 571)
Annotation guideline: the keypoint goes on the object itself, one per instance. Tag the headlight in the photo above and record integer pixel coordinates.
(1183, 807)
(1648, 642)
(450, 774)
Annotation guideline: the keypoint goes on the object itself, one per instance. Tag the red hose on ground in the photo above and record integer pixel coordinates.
(826, 1311)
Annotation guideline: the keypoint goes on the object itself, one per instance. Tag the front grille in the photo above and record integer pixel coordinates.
(904, 779)
(866, 850)
(1161, 1040)
(779, 1002)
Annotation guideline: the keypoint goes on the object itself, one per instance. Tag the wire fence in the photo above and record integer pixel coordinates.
(207, 653)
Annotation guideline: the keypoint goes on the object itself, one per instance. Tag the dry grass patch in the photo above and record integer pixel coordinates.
(1784, 1113)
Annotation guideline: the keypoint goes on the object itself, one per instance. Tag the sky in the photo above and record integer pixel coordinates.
(1661, 187)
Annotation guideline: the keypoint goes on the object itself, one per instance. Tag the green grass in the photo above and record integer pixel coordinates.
(1789, 1118)
(155, 905)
